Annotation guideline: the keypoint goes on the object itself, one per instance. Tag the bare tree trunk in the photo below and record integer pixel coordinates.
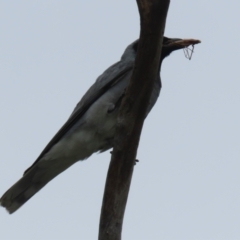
(131, 117)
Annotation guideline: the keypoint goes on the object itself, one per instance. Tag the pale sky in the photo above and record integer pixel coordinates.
(186, 185)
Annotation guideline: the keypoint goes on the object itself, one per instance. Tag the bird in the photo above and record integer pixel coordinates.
(91, 126)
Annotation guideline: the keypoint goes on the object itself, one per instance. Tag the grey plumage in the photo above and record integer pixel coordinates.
(89, 129)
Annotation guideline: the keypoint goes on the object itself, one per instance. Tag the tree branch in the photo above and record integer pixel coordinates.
(131, 117)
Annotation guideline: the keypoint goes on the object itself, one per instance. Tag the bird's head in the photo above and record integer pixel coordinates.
(171, 44)
(168, 46)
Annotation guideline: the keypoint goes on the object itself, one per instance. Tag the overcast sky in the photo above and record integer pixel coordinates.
(186, 185)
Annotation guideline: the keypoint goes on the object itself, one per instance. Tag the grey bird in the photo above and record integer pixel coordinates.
(90, 128)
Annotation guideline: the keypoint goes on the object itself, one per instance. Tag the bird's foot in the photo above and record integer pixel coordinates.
(136, 161)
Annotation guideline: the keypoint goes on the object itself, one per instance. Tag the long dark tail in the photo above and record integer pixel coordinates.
(34, 179)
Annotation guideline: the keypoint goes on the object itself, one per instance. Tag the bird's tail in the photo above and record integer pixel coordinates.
(31, 182)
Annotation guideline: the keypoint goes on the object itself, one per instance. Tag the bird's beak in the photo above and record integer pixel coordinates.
(182, 43)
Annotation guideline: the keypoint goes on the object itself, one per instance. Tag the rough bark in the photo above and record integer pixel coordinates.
(131, 117)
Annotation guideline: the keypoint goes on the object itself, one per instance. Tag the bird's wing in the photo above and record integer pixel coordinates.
(103, 83)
